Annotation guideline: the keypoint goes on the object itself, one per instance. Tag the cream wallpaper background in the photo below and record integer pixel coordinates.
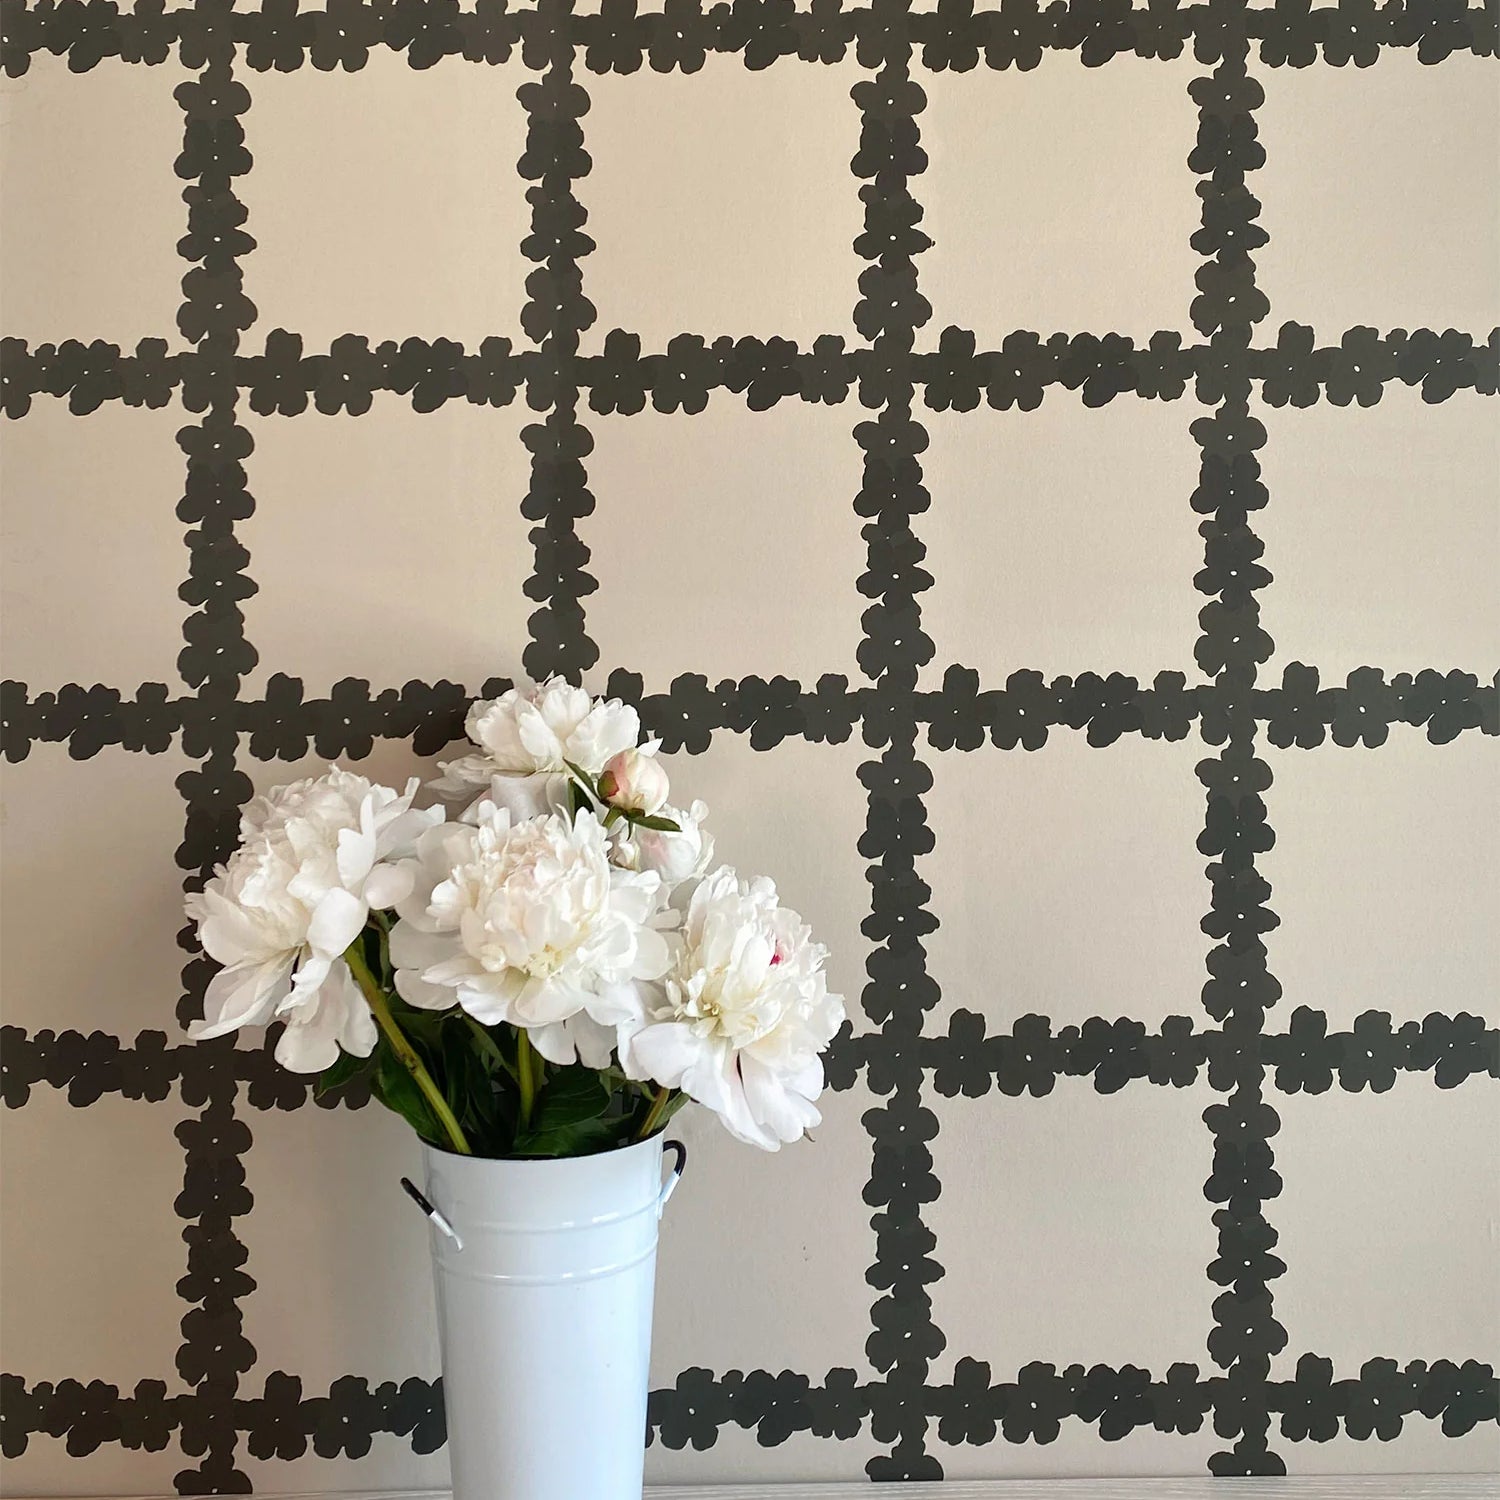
(903, 568)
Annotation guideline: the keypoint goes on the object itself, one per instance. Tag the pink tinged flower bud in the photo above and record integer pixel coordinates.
(635, 781)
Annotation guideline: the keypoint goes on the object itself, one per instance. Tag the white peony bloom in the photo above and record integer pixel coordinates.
(535, 731)
(742, 1015)
(636, 781)
(315, 857)
(338, 1017)
(523, 797)
(529, 924)
(676, 857)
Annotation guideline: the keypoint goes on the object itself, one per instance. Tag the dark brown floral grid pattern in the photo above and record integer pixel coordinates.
(1247, 1056)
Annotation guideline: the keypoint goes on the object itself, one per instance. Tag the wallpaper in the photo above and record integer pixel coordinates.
(1036, 468)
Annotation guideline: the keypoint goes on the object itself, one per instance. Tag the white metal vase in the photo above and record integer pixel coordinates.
(545, 1275)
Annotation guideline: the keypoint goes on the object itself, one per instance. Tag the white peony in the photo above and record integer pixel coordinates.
(534, 732)
(314, 858)
(676, 857)
(636, 781)
(529, 924)
(522, 797)
(742, 1015)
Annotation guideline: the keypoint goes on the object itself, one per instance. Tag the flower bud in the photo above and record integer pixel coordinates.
(635, 781)
(679, 856)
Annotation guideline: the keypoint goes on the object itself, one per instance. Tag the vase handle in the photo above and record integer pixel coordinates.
(432, 1213)
(678, 1168)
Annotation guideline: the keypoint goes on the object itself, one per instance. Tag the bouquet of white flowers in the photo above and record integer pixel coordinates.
(543, 964)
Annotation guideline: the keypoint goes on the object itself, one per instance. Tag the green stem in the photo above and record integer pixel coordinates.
(403, 1048)
(658, 1104)
(525, 1058)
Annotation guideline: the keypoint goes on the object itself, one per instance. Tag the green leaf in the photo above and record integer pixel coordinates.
(398, 1091)
(661, 825)
(490, 1051)
(573, 1095)
(671, 1107)
(462, 1070)
(578, 1139)
(372, 949)
(344, 1071)
(583, 776)
(500, 1140)
(424, 1026)
(467, 1084)
(567, 1120)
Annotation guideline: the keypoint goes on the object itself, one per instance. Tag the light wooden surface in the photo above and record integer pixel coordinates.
(1361, 1487)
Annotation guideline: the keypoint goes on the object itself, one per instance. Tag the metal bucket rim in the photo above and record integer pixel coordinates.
(555, 1162)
